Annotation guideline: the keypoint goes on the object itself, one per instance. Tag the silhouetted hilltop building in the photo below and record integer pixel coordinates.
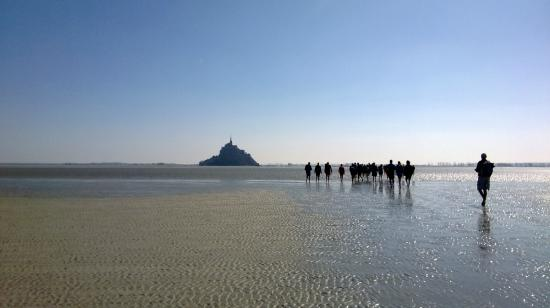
(230, 155)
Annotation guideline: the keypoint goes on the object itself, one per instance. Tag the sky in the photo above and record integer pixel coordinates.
(290, 81)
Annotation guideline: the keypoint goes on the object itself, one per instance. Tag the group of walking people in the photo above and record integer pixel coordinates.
(362, 172)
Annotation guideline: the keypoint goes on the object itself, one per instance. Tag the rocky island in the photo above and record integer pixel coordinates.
(230, 155)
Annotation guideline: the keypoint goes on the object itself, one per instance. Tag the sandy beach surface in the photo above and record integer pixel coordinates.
(216, 249)
(165, 242)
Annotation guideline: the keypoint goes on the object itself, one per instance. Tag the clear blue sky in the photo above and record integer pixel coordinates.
(292, 81)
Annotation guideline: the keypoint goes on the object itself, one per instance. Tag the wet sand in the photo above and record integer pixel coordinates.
(215, 249)
(112, 242)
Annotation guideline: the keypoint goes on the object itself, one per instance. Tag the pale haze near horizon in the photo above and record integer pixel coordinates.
(291, 81)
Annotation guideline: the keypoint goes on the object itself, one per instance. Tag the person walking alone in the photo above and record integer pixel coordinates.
(484, 171)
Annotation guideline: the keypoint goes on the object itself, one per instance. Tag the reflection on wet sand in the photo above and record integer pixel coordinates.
(486, 242)
(382, 188)
(408, 197)
(391, 191)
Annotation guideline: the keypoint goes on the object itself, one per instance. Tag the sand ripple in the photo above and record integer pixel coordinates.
(222, 249)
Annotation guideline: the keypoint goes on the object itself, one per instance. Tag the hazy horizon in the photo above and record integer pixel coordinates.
(342, 81)
(434, 164)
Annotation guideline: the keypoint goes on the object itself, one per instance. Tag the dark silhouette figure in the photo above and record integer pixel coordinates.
(328, 171)
(390, 171)
(341, 171)
(308, 172)
(380, 172)
(359, 172)
(399, 172)
(317, 172)
(484, 171)
(353, 172)
(373, 171)
(408, 170)
(365, 171)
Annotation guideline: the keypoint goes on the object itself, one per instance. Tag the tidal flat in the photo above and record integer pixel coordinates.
(255, 240)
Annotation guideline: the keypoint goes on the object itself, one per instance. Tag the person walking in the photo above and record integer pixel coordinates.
(341, 171)
(484, 171)
(328, 171)
(374, 171)
(390, 172)
(399, 172)
(353, 172)
(317, 172)
(308, 172)
(408, 171)
(380, 172)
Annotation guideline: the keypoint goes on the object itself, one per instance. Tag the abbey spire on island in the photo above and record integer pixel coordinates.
(230, 155)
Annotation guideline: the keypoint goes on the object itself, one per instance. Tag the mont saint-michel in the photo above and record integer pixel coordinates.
(230, 155)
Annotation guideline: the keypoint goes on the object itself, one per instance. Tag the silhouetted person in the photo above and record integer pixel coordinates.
(390, 171)
(308, 172)
(408, 171)
(341, 171)
(328, 171)
(365, 171)
(380, 172)
(353, 172)
(399, 172)
(484, 171)
(374, 171)
(317, 172)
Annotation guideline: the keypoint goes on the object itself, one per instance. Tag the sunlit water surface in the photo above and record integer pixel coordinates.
(428, 245)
